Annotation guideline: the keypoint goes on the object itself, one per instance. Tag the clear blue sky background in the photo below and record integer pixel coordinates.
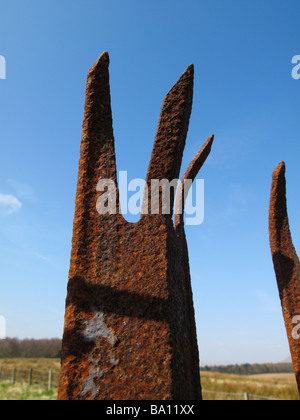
(244, 94)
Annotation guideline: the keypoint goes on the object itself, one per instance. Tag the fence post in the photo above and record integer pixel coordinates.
(30, 377)
(246, 396)
(0, 373)
(13, 378)
(50, 380)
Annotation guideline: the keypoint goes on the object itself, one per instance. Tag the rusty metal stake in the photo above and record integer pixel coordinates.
(286, 263)
(129, 322)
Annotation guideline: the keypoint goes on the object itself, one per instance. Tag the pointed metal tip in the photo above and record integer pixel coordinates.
(281, 165)
(211, 138)
(184, 83)
(278, 205)
(102, 60)
(191, 68)
(208, 143)
(104, 57)
(186, 79)
(189, 72)
(279, 170)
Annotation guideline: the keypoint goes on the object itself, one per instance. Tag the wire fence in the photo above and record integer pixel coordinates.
(238, 396)
(47, 379)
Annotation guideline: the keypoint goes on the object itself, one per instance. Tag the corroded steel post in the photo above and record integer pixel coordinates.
(286, 263)
(129, 323)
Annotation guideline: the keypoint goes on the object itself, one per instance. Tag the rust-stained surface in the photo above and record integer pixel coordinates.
(129, 323)
(286, 263)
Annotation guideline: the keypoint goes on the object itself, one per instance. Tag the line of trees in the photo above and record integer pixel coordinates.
(51, 348)
(45, 348)
(251, 369)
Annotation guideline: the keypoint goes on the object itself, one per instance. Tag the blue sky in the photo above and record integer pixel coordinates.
(244, 94)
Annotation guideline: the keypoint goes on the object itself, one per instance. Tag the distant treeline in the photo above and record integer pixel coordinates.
(251, 369)
(51, 348)
(14, 347)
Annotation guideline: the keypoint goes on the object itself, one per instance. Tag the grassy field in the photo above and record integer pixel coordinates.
(277, 386)
(38, 364)
(21, 390)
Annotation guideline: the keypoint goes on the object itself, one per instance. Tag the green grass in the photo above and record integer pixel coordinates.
(21, 392)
